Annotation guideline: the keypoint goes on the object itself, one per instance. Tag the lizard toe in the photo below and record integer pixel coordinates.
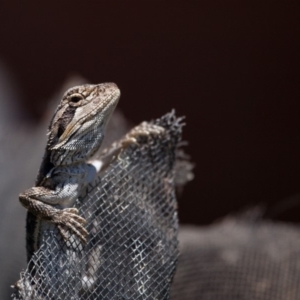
(63, 232)
(71, 210)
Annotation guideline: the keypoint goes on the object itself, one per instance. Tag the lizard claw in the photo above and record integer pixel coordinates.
(68, 220)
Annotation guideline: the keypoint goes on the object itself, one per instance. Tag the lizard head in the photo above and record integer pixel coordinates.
(77, 127)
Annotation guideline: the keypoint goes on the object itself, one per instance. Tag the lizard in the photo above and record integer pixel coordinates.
(75, 134)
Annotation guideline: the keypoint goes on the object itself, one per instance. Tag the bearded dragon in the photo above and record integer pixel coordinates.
(75, 133)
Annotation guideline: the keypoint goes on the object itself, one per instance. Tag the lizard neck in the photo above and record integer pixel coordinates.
(75, 152)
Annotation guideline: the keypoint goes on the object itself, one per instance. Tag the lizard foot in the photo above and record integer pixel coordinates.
(68, 220)
(144, 129)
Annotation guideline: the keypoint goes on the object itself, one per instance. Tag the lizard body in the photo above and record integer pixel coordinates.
(75, 134)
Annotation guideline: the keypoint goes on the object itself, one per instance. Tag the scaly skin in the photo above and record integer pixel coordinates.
(75, 134)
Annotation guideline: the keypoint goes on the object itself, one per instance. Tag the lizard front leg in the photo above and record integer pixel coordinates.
(65, 219)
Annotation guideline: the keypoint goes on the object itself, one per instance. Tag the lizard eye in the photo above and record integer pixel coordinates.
(75, 98)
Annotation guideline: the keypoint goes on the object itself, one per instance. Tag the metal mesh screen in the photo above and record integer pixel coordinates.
(238, 260)
(131, 214)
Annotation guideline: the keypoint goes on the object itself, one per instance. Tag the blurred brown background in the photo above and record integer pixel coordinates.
(231, 67)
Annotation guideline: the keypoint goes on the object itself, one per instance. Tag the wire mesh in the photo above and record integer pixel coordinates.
(131, 214)
(238, 260)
